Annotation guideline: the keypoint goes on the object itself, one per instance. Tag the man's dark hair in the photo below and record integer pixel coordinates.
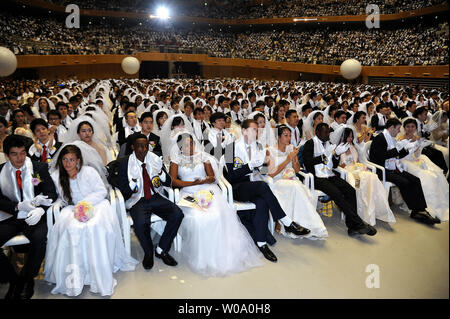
(134, 137)
(13, 141)
(339, 113)
(320, 126)
(393, 122)
(419, 111)
(53, 112)
(59, 104)
(247, 122)
(216, 116)
(144, 116)
(198, 110)
(37, 122)
(305, 107)
(410, 104)
(289, 113)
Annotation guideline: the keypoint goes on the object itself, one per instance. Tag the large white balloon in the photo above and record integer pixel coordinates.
(351, 69)
(8, 62)
(130, 65)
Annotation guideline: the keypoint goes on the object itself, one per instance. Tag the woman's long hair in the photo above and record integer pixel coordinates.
(64, 179)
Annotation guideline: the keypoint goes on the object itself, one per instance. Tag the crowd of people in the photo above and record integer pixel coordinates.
(288, 148)
(246, 9)
(418, 45)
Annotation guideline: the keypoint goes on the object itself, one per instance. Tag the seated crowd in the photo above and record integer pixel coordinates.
(218, 146)
(245, 9)
(418, 44)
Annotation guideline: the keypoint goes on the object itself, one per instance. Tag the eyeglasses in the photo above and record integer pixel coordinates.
(70, 160)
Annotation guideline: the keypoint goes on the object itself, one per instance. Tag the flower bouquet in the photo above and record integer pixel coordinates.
(288, 173)
(203, 198)
(83, 211)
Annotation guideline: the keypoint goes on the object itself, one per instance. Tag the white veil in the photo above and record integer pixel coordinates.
(177, 157)
(156, 130)
(167, 134)
(308, 123)
(267, 136)
(337, 136)
(90, 158)
(72, 135)
(102, 120)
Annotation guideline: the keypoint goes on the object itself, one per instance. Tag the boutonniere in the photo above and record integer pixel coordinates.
(152, 143)
(36, 179)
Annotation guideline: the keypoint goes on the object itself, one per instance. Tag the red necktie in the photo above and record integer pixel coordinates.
(44, 154)
(296, 139)
(19, 179)
(147, 183)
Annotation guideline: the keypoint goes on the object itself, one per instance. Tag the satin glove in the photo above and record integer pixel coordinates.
(158, 163)
(26, 205)
(402, 144)
(34, 216)
(429, 127)
(329, 149)
(42, 200)
(342, 148)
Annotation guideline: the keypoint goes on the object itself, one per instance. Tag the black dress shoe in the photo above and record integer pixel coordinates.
(372, 230)
(423, 217)
(166, 258)
(268, 254)
(296, 229)
(147, 263)
(11, 291)
(18, 289)
(360, 230)
(28, 291)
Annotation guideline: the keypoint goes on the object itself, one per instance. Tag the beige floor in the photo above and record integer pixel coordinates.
(413, 261)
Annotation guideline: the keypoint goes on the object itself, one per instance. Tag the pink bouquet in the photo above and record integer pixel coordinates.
(288, 173)
(83, 211)
(203, 198)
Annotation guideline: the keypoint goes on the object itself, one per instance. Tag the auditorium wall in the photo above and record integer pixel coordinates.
(83, 72)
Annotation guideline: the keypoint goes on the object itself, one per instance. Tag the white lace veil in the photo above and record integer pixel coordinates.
(72, 135)
(167, 134)
(156, 130)
(51, 106)
(308, 123)
(103, 123)
(267, 136)
(176, 155)
(90, 158)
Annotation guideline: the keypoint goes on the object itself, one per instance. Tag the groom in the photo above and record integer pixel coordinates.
(141, 174)
(22, 181)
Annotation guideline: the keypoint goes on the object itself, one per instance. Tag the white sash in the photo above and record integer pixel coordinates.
(10, 189)
(135, 169)
(391, 163)
(322, 170)
(381, 121)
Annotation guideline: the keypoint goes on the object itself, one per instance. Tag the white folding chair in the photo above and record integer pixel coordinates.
(241, 206)
(126, 221)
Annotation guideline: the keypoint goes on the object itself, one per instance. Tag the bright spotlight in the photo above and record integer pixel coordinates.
(162, 13)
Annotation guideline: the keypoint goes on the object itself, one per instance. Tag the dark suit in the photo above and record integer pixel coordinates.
(258, 193)
(300, 127)
(141, 212)
(36, 234)
(374, 123)
(409, 185)
(125, 149)
(341, 192)
(38, 158)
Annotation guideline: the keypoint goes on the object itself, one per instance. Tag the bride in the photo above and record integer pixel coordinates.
(83, 253)
(174, 124)
(295, 198)
(372, 200)
(434, 184)
(215, 243)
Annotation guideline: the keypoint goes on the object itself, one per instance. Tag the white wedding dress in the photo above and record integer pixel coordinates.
(296, 199)
(87, 253)
(371, 196)
(215, 243)
(434, 184)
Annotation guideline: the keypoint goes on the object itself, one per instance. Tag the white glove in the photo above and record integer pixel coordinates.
(341, 148)
(256, 162)
(411, 147)
(429, 127)
(34, 216)
(42, 200)
(26, 206)
(402, 144)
